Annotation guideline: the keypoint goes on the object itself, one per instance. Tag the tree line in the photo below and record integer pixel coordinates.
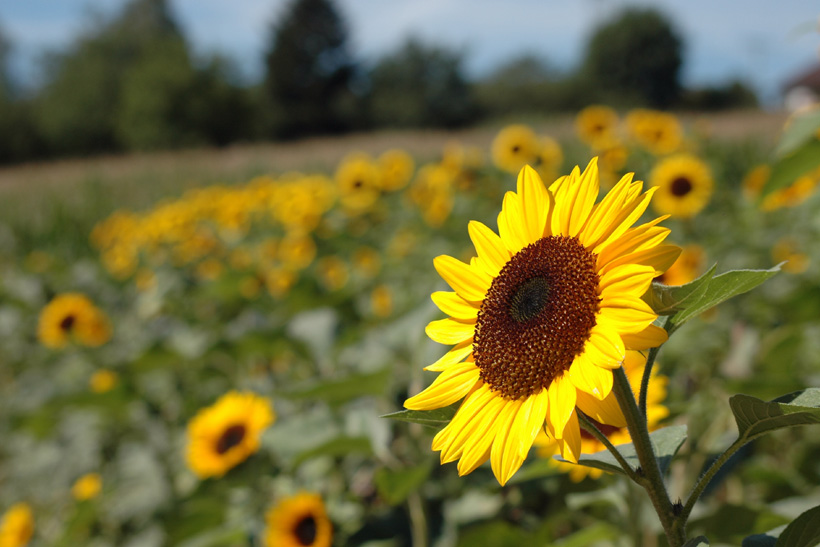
(131, 82)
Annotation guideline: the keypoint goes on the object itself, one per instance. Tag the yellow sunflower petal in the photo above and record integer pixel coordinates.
(570, 441)
(469, 283)
(450, 386)
(626, 314)
(660, 258)
(605, 348)
(450, 331)
(632, 279)
(635, 239)
(455, 355)
(651, 337)
(589, 378)
(454, 306)
(535, 203)
(491, 249)
(477, 448)
(574, 200)
(504, 456)
(531, 419)
(599, 226)
(561, 402)
(509, 224)
(604, 411)
(452, 438)
(625, 218)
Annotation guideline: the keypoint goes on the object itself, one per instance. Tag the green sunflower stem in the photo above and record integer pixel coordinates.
(647, 374)
(649, 475)
(593, 430)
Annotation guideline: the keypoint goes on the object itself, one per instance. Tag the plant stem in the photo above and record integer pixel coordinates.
(647, 374)
(707, 477)
(593, 430)
(650, 475)
(418, 522)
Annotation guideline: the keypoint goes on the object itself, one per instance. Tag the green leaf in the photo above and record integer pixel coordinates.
(595, 534)
(755, 417)
(666, 300)
(336, 392)
(432, 418)
(395, 485)
(719, 289)
(340, 446)
(666, 443)
(804, 531)
(760, 540)
(696, 542)
(789, 168)
(802, 129)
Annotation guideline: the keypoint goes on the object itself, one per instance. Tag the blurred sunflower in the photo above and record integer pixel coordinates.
(754, 180)
(381, 301)
(298, 521)
(358, 182)
(396, 169)
(16, 526)
(686, 268)
(72, 316)
(367, 262)
(549, 159)
(544, 312)
(297, 250)
(333, 272)
(597, 126)
(788, 250)
(658, 132)
(103, 380)
(684, 185)
(87, 487)
(610, 420)
(791, 196)
(224, 434)
(514, 147)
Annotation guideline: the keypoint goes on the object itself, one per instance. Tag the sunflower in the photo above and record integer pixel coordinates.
(686, 268)
(381, 301)
(333, 273)
(611, 422)
(515, 146)
(87, 487)
(298, 521)
(755, 179)
(72, 316)
(396, 169)
(224, 434)
(16, 526)
(541, 316)
(358, 180)
(658, 132)
(550, 157)
(684, 185)
(103, 380)
(597, 126)
(787, 250)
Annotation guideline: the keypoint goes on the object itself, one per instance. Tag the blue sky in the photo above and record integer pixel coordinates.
(765, 41)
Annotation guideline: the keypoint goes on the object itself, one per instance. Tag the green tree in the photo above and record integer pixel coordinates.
(309, 71)
(421, 86)
(78, 106)
(635, 58)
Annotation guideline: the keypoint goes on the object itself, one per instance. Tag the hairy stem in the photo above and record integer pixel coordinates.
(593, 430)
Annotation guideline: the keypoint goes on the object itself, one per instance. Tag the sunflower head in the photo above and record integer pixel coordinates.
(658, 132)
(597, 126)
(298, 521)
(684, 185)
(103, 380)
(72, 317)
(16, 526)
(224, 434)
(396, 169)
(515, 146)
(358, 180)
(541, 316)
(87, 487)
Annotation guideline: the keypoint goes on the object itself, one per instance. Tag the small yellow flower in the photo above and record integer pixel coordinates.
(333, 272)
(396, 169)
(297, 251)
(367, 262)
(87, 487)
(381, 301)
(684, 185)
(597, 126)
(658, 132)
(103, 380)
(358, 180)
(279, 281)
(298, 521)
(16, 526)
(226, 433)
(514, 147)
(72, 316)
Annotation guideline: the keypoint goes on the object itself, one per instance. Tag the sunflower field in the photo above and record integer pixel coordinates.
(425, 351)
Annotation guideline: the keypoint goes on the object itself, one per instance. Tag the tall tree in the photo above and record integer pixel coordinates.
(637, 57)
(309, 70)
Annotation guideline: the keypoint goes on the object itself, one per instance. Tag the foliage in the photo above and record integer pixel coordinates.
(636, 58)
(420, 86)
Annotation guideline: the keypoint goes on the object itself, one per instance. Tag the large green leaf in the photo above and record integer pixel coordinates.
(755, 417)
(789, 168)
(719, 289)
(699, 541)
(804, 531)
(336, 392)
(666, 300)
(395, 485)
(802, 129)
(431, 418)
(666, 443)
(760, 540)
(340, 446)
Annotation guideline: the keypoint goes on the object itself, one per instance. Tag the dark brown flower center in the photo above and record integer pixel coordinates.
(230, 438)
(67, 323)
(681, 186)
(305, 530)
(516, 149)
(536, 316)
(607, 430)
